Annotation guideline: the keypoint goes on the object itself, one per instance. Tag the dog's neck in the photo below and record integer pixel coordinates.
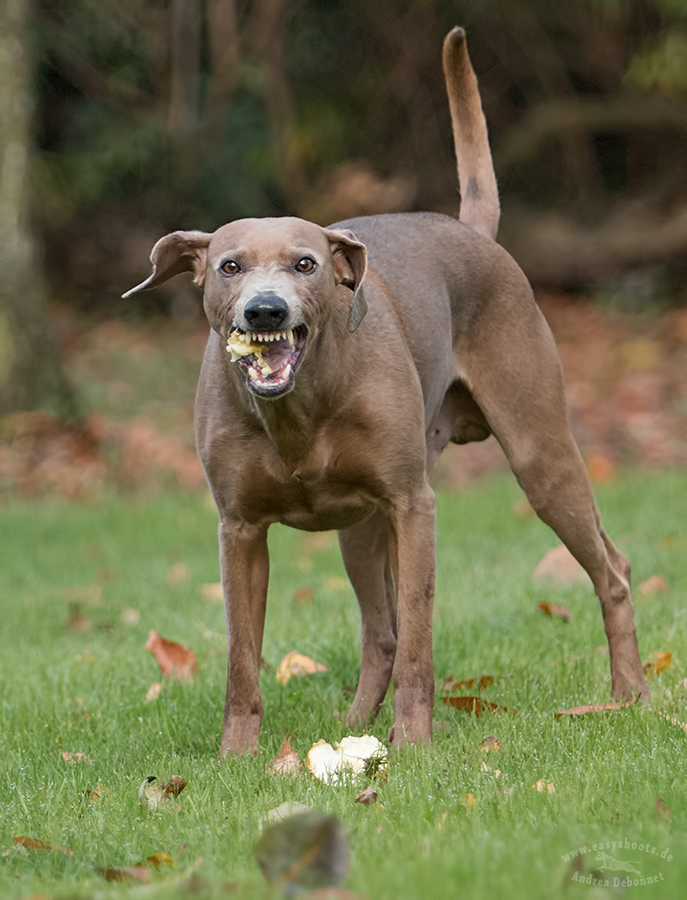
(294, 421)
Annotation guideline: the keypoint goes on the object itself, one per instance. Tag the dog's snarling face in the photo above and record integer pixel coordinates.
(268, 288)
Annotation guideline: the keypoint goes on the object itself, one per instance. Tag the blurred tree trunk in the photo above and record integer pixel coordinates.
(30, 372)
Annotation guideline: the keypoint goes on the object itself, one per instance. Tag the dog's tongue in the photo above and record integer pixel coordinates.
(277, 355)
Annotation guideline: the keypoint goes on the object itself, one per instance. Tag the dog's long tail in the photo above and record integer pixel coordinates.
(479, 204)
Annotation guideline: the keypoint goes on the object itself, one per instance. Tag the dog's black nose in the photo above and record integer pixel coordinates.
(266, 312)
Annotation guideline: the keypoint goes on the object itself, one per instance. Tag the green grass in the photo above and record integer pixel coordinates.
(69, 691)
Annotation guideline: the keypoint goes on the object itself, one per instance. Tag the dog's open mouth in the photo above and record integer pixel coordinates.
(269, 360)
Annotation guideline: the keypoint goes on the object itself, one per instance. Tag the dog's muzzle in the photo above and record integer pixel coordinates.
(268, 360)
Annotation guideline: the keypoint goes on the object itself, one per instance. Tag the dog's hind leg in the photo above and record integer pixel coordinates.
(365, 551)
(522, 396)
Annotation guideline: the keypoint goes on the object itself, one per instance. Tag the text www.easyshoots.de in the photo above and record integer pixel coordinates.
(607, 864)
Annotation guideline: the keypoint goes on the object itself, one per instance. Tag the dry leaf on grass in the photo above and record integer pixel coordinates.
(213, 593)
(304, 594)
(153, 692)
(152, 793)
(452, 685)
(28, 843)
(659, 662)
(662, 812)
(335, 583)
(156, 861)
(307, 851)
(130, 616)
(587, 708)
(544, 786)
(175, 660)
(475, 705)
(178, 574)
(127, 872)
(295, 665)
(368, 796)
(600, 467)
(654, 585)
(74, 758)
(522, 509)
(468, 801)
(551, 610)
(490, 743)
(559, 567)
(287, 762)
(78, 621)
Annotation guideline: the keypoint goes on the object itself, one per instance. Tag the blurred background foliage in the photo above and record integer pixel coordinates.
(154, 115)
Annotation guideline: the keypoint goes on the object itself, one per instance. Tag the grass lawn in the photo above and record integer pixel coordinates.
(81, 585)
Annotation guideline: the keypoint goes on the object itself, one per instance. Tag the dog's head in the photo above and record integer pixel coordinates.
(269, 286)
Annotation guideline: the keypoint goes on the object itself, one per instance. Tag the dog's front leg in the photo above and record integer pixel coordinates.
(244, 564)
(413, 554)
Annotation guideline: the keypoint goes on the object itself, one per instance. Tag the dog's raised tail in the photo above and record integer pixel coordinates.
(479, 204)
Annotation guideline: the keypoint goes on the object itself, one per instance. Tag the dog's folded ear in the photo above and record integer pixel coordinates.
(350, 264)
(181, 251)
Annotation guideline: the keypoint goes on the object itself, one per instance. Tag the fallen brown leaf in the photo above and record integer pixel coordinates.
(587, 708)
(304, 594)
(319, 540)
(94, 794)
(368, 796)
(39, 844)
(654, 585)
(551, 610)
(178, 574)
(213, 593)
(660, 662)
(662, 812)
(522, 509)
(559, 567)
(295, 665)
(451, 684)
(287, 762)
(600, 467)
(468, 800)
(77, 620)
(475, 705)
(74, 758)
(335, 583)
(175, 660)
(153, 692)
(156, 861)
(490, 743)
(544, 786)
(130, 616)
(136, 874)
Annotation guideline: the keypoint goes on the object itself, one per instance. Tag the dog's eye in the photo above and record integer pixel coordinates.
(230, 267)
(305, 265)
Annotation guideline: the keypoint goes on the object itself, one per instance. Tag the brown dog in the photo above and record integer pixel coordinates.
(333, 408)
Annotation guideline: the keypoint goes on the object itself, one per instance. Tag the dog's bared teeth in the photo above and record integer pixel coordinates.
(253, 372)
(286, 374)
(289, 335)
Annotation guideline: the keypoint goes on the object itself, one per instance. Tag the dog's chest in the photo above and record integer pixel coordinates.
(322, 491)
